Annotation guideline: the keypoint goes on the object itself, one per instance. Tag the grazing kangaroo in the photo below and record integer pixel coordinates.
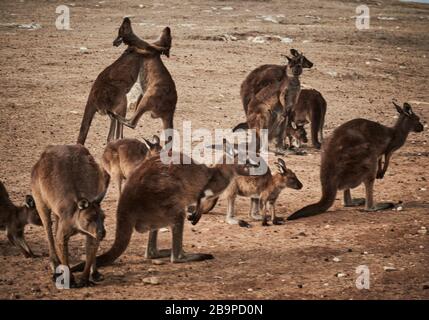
(311, 106)
(263, 191)
(67, 182)
(13, 219)
(353, 155)
(108, 93)
(157, 195)
(269, 93)
(122, 156)
(160, 96)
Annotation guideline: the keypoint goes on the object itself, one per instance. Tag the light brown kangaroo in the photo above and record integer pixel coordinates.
(353, 155)
(67, 182)
(160, 96)
(157, 195)
(108, 93)
(122, 156)
(311, 106)
(14, 219)
(263, 191)
(271, 101)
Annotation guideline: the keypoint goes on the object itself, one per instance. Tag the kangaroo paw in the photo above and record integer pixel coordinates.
(356, 202)
(278, 221)
(190, 257)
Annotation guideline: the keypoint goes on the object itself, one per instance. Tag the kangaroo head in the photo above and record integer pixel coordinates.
(289, 178)
(30, 214)
(124, 32)
(298, 132)
(298, 62)
(409, 118)
(89, 218)
(153, 146)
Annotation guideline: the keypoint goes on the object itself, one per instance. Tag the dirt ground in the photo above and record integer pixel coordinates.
(45, 80)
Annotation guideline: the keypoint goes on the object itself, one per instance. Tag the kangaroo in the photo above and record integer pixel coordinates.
(271, 101)
(67, 182)
(108, 93)
(263, 191)
(311, 106)
(121, 157)
(353, 155)
(157, 195)
(13, 219)
(160, 96)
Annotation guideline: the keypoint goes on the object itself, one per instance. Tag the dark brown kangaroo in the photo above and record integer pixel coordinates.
(121, 157)
(269, 93)
(160, 96)
(14, 219)
(311, 106)
(157, 195)
(108, 93)
(353, 155)
(67, 182)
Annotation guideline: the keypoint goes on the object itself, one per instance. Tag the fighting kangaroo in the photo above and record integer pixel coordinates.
(157, 195)
(108, 93)
(269, 94)
(14, 219)
(160, 96)
(121, 157)
(67, 182)
(353, 155)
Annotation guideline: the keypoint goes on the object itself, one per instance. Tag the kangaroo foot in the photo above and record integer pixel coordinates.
(381, 206)
(82, 283)
(97, 276)
(244, 224)
(158, 254)
(256, 217)
(278, 221)
(190, 257)
(356, 202)
(265, 221)
(121, 119)
(194, 217)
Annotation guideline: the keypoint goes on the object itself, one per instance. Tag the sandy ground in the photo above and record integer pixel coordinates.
(45, 80)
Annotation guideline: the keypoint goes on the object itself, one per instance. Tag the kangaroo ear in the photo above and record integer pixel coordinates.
(293, 124)
(294, 52)
(288, 59)
(155, 140)
(282, 163)
(398, 107)
(100, 197)
(148, 144)
(83, 204)
(29, 201)
(407, 109)
(307, 63)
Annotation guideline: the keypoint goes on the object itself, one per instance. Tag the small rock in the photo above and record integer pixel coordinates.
(336, 259)
(399, 208)
(151, 280)
(425, 285)
(350, 250)
(300, 286)
(302, 234)
(250, 289)
(340, 275)
(389, 268)
(83, 50)
(227, 8)
(423, 230)
(158, 262)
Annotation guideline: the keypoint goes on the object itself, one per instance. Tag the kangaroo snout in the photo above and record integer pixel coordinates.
(117, 42)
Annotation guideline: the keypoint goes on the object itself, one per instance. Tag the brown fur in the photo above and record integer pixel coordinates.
(157, 195)
(14, 219)
(67, 182)
(121, 157)
(160, 96)
(353, 155)
(108, 93)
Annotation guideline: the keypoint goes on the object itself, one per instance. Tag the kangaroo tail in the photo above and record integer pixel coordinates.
(124, 230)
(329, 191)
(86, 123)
(241, 126)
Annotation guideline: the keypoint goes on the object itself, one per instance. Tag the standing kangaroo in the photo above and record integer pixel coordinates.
(269, 93)
(311, 106)
(160, 96)
(108, 93)
(353, 155)
(263, 191)
(14, 219)
(121, 157)
(157, 195)
(67, 182)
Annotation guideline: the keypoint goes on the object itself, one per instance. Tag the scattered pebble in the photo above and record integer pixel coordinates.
(389, 268)
(423, 230)
(151, 280)
(340, 275)
(227, 8)
(83, 50)
(336, 259)
(158, 262)
(250, 289)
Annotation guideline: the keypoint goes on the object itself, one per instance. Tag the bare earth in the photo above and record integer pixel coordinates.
(45, 80)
